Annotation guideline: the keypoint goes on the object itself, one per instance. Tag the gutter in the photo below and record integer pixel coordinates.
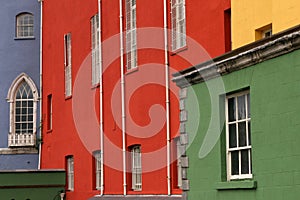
(167, 98)
(101, 100)
(41, 80)
(123, 99)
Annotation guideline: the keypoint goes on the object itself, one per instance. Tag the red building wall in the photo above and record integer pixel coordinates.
(74, 133)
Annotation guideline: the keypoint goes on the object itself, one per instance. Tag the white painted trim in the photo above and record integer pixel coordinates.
(15, 84)
(247, 147)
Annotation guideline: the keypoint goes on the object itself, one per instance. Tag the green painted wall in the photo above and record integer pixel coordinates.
(31, 185)
(275, 127)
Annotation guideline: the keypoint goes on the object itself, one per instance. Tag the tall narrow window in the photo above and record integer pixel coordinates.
(179, 168)
(136, 168)
(24, 25)
(131, 46)
(68, 65)
(227, 29)
(238, 134)
(70, 173)
(49, 112)
(95, 29)
(178, 24)
(97, 156)
(23, 98)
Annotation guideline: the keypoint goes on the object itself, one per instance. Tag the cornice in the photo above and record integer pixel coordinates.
(246, 56)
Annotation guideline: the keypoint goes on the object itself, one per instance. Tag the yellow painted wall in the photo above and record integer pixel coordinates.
(249, 15)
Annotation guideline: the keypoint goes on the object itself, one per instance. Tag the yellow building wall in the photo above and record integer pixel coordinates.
(250, 15)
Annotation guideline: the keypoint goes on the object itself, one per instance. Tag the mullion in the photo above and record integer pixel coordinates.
(236, 123)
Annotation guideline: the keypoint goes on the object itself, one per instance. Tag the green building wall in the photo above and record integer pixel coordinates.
(274, 87)
(32, 185)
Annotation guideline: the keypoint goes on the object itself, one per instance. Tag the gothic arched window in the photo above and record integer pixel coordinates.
(23, 98)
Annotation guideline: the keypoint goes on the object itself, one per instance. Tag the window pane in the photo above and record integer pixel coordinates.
(249, 132)
(30, 103)
(30, 125)
(24, 104)
(232, 136)
(242, 134)
(24, 126)
(18, 118)
(245, 161)
(241, 107)
(248, 106)
(231, 110)
(24, 111)
(18, 126)
(234, 163)
(24, 118)
(30, 111)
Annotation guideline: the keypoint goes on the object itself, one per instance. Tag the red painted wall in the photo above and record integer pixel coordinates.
(205, 27)
(61, 17)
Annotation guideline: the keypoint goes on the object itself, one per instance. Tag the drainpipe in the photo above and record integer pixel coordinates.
(123, 99)
(101, 100)
(167, 97)
(41, 80)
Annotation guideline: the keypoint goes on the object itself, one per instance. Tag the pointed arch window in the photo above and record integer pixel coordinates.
(23, 98)
(23, 109)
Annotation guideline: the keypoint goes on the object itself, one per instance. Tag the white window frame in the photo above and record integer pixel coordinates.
(96, 49)
(237, 148)
(25, 25)
(68, 64)
(136, 159)
(97, 156)
(178, 23)
(22, 139)
(70, 173)
(131, 34)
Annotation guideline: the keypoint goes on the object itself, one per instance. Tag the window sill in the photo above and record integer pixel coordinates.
(132, 70)
(49, 131)
(177, 51)
(19, 150)
(25, 38)
(235, 185)
(68, 97)
(95, 86)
